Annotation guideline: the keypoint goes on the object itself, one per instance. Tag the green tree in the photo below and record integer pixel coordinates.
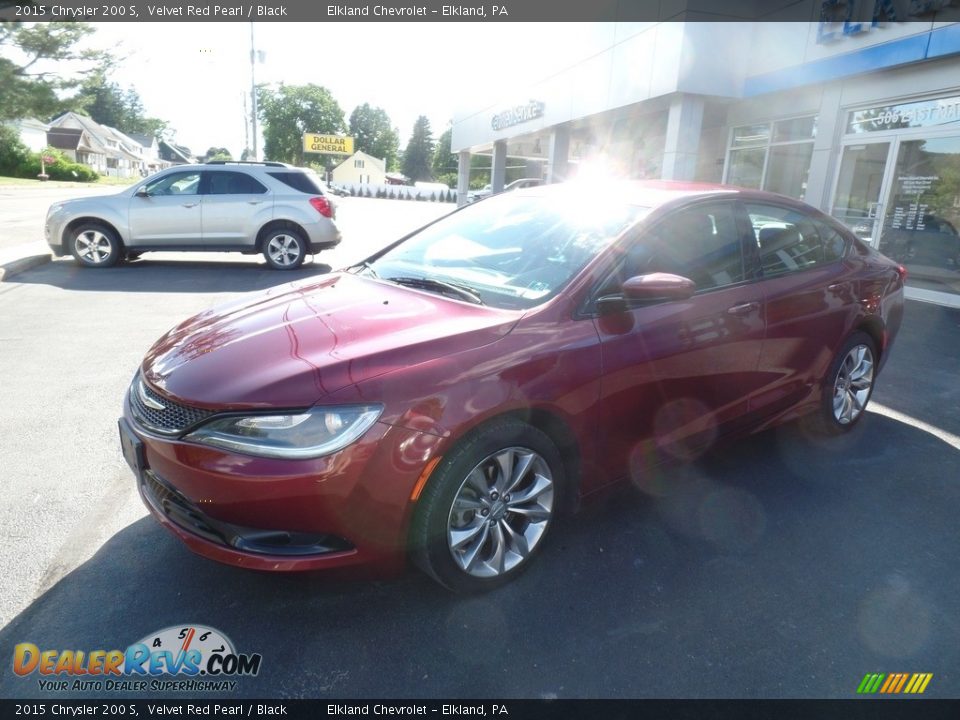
(418, 156)
(291, 110)
(217, 153)
(106, 103)
(373, 134)
(444, 161)
(30, 83)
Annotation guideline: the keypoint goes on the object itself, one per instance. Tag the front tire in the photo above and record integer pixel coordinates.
(848, 385)
(488, 507)
(95, 245)
(284, 249)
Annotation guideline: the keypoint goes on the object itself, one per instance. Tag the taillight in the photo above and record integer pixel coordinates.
(322, 206)
(902, 272)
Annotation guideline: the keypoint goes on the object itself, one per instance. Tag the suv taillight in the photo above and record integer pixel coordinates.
(322, 206)
(902, 272)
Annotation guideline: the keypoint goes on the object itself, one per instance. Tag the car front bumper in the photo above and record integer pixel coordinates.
(344, 510)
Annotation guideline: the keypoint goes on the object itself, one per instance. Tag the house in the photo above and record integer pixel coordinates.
(175, 154)
(360, 169)
(74, 143)
(109, 151)
(33, 133)
(149, 151)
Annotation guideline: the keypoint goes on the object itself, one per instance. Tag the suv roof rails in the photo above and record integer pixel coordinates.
(267, 163)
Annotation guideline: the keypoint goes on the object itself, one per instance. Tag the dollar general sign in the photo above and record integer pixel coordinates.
(331, 144)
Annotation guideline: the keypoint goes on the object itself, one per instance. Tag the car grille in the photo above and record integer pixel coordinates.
(173, 419)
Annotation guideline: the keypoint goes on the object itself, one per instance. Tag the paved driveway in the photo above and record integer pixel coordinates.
(777, 566)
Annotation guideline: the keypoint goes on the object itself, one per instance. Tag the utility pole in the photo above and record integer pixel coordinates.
(253, 93)
(246, 125)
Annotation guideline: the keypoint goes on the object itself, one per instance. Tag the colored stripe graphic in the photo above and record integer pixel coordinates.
(918, 683)
(870, 683)
(894, 683)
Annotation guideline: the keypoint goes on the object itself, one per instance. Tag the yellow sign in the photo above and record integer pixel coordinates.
(330, 144)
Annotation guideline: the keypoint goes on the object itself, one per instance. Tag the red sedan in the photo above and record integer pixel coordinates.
(446, 398)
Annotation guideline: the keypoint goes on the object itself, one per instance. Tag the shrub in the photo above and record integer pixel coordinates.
(13, 153)
(448, 179)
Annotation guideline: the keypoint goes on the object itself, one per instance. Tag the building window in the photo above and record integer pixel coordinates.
(772, 156)
(358, 163)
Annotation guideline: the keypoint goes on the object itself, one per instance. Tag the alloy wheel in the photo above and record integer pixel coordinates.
(93, 246)
(851, 388)
(284, 250)
(501, 512)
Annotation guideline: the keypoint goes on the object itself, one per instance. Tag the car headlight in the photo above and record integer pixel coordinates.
(293, 436)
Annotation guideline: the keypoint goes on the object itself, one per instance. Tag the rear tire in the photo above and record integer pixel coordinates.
(488, 507)
(848, 386)
(95, 245)
(284, 249)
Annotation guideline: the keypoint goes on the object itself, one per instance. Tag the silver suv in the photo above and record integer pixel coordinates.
(267, 207)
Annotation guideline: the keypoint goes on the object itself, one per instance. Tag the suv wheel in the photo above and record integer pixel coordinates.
(284, 249)
(94, 245)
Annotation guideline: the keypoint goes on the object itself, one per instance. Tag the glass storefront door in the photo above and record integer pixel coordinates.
(857, 202)
(922, 215)
(898, 188)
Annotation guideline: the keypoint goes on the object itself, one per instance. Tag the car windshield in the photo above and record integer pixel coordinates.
(513, 251)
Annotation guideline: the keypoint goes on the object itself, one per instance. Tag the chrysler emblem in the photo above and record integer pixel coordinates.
(146, 399)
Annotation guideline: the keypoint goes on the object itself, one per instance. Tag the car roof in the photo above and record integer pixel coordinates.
(650, 193)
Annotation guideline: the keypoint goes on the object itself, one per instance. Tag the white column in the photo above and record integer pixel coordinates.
(498, 172)
(463, 177)
(559, 154)
(680, 152)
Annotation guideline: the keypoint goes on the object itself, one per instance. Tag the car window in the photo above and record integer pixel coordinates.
(232, 183)
(791, 241)
(180, 183)
(699, 242)
(297, 180)
(514, 251)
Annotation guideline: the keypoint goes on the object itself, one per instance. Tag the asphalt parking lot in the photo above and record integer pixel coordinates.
(777, 566)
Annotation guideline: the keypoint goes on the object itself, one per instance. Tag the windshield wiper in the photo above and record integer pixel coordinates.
(463, 292)
(365, 266)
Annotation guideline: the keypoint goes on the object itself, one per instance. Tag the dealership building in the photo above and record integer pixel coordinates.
(860, 119)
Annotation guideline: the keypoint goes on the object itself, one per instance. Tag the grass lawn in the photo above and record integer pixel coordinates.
(119, 182)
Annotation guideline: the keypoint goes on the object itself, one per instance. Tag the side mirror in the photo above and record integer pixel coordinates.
(141, 192)
(645, 289)
(658, 286)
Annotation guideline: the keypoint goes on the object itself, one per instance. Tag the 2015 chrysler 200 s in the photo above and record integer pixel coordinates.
(446, 398)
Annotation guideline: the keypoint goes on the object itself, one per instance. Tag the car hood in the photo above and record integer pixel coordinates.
(292, 345)
(84, 203)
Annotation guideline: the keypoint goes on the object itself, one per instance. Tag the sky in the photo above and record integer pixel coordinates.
(197, 75)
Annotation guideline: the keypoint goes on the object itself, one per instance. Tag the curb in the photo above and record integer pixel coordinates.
(10, 269)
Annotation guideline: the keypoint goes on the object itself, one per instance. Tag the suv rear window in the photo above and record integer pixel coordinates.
(298, 181)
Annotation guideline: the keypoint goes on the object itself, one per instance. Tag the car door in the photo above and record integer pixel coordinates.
(810, 300)
(232, 202)
(677, 374)
(167, 212)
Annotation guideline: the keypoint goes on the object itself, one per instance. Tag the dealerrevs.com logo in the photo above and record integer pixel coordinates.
(187, 658)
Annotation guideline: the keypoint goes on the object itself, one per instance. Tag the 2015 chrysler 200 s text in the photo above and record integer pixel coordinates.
(445, 399)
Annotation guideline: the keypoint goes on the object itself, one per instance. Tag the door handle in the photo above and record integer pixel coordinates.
(743, 308)
(190, 204)
(254, 202)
